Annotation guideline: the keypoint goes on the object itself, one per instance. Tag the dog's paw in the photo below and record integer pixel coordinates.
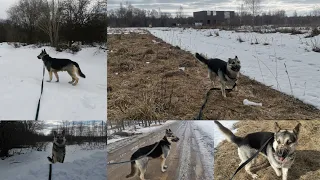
(70, 82)
(48, 80)
(57, 80)
(165, 166)
(255, 176)
(279, 173)
(163, 170)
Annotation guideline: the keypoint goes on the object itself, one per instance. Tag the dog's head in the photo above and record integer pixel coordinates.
(234, 64)
(59, 139)
(285, 141)
(170, 136)
(42, 54)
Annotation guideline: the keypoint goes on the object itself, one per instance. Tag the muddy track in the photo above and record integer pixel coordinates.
(184, 161)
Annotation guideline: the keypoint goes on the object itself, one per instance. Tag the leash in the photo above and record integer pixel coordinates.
(50, 171)
(122, 162)
(252, 157)
(38, 107)
(200, 114)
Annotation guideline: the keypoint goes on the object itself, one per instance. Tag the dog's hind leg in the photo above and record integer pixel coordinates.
(57, 76)
(74, 76)
(212, 76)
(142, 166)
(50, 76)
(242, 152)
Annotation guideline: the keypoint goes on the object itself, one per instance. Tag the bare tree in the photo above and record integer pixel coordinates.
(50, 19)
(179, 14)
(254, 6)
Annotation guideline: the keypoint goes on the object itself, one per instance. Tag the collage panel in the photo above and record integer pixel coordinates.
(53, 149)
(289, 149)
(53, 60)
(160, 150)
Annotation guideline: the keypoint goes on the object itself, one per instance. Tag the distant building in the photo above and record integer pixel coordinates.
(213, 17)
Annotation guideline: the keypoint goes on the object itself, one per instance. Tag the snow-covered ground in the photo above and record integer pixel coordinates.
(204, 135)
(138, 129)
(218, 135)
(20, 80)
(264, 63)
(81, 163)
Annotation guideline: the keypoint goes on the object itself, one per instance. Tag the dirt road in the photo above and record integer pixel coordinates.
(186, 159)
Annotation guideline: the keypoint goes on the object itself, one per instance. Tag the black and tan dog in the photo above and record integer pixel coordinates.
(227, 72)
(54, 65)
(161, 151)
(280, 150)
(58, 147)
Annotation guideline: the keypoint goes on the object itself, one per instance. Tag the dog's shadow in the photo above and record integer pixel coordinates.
(306, 161)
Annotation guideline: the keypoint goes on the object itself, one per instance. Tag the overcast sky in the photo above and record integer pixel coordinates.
(5, 4)
(189, 6)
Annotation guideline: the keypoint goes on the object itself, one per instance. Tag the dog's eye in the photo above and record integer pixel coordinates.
(278, 141)
(289, 142)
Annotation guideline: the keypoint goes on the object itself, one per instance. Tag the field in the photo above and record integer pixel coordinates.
(151, 79)
(305, 167)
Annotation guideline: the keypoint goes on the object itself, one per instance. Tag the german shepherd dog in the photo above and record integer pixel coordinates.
(54, 65)
(280, 150)
(161, 151)
(227, 72)
(58, 147)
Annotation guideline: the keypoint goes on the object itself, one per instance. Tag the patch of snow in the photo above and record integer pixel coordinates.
(81, 163)
(265, 64)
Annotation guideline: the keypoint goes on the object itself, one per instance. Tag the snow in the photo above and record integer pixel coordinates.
(218, 135)
(204, 135)
(80, 164)
(264, 63)
(21, 75)
(139, 130)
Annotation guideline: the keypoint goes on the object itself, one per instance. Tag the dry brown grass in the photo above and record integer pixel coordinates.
(144, 82)
(305, 167)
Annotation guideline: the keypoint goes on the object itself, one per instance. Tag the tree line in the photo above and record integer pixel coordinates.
(55, 22)
(249, 12)
(28, 134)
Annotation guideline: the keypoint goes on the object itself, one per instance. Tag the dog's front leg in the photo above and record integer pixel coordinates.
(50, 76)
(57, 76)
(163, 165)
(223, 83)
(285, 173)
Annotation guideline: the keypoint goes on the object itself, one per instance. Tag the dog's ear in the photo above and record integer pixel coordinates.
(45, 51)
(296, 130)
(54, 133)
(276, 127)
(236, 57)
(63, 133)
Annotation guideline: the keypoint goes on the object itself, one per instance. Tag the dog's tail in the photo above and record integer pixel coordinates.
(230, 136)
(50, 159)
(201, 58)
(79, 72)
(133, 170)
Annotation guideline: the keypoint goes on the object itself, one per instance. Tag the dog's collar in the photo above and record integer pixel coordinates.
(228, 75)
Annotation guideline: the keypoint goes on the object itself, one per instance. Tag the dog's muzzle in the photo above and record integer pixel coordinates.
(175, 139)
(236, 68)
(282, 154)
(38, 57)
